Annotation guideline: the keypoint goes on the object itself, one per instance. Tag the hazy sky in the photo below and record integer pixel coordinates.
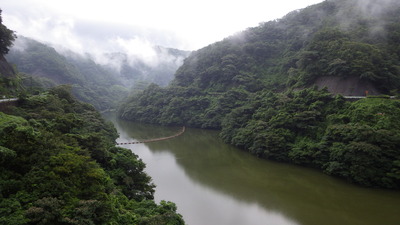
(184, 24)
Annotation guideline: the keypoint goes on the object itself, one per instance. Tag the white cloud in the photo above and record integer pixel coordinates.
(134, 27)
(137, 48)
(183, 24)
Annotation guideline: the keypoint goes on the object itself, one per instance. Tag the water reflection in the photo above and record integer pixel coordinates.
(214, 183)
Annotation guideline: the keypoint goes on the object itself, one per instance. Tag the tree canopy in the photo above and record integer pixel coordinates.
(257, 86)
(59, 165)
(7, 37)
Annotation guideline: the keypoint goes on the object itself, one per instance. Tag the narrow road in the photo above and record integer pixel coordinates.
(354, 97)
(9, 100)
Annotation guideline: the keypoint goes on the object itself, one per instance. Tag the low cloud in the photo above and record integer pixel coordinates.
(94, 38)
(370, 12)
(136, 48)
(374, 7)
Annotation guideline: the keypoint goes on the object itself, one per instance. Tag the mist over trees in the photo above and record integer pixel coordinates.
(258, 87)
(58, 160)
(102, 80)
(59, 163)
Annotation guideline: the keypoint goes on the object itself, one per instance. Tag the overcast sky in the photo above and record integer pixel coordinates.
(184, 24)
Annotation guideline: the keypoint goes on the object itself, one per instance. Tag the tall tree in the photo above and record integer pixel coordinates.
(7, 37)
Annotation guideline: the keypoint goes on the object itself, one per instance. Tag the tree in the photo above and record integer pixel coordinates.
(7, 37)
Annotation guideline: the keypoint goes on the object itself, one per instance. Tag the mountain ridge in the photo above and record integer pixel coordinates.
(102, 85)
(59, 163)
(267, 90)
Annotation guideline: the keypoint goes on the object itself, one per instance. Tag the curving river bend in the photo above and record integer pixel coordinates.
(216, 184)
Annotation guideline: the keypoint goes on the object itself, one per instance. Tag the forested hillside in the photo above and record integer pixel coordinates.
(59, 163)
(102, 85)
(43, 67)
(258, 87)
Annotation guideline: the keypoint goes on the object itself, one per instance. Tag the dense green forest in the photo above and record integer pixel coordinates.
(42, 67)
(59, 163)
(260, 87)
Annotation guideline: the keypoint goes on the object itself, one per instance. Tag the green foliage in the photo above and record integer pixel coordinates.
(7, 37)
(182, 105)
(11, 86)
(59, 165)
(128, 173)
(366, 143)
(43, 67)
(257, 87)
(332, 53)
(358, 141)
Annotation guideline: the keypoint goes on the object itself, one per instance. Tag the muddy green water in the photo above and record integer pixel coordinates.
(213, 183)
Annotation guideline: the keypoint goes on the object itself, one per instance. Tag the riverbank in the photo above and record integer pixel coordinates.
(215, 183)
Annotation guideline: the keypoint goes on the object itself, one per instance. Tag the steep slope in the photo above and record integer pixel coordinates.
(102, 85)
(336, 42)
(258, 87)
(59, 165)
(334, 38)
(91, 83)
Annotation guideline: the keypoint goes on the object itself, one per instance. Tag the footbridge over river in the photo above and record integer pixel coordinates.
(155, 139)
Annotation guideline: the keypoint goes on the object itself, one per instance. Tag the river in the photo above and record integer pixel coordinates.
(213, 183)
